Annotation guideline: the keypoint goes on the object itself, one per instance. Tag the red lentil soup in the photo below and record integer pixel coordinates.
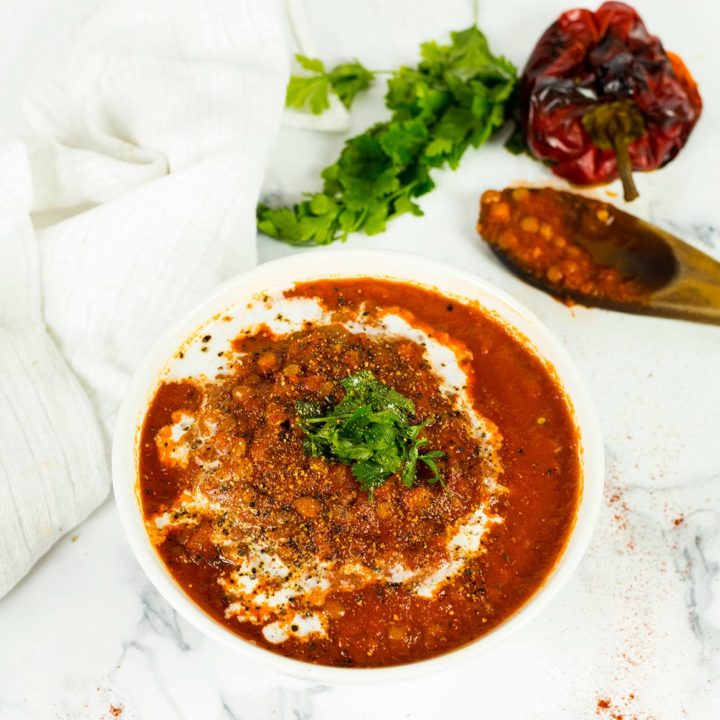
(535, 228)
(287, 551)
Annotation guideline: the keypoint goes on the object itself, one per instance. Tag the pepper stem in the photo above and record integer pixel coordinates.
(620, 146)
(613, 126)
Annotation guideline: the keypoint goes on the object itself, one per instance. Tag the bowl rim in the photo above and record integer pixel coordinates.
(401, 266)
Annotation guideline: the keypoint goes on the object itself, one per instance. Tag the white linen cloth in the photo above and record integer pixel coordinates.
(149, 129)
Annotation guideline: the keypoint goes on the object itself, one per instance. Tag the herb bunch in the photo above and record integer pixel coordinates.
(455, 98)
(370, 430)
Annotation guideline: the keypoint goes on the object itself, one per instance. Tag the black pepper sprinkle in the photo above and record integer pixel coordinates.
(207, 338)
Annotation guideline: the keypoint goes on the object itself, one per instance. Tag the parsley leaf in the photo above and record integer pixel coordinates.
(457, 97)
(370, 430)
(312, 91)
(350, 79)
(516, 142)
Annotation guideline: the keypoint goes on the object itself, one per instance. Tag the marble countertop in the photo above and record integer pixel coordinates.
(634, 635)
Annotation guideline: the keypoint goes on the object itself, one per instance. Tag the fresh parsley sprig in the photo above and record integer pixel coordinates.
(456, 98)
(370, 430)
(312, 90)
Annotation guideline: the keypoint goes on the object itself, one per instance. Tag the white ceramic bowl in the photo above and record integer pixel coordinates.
(354, 263)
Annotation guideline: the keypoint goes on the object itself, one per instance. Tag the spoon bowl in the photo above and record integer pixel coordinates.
(678, 281)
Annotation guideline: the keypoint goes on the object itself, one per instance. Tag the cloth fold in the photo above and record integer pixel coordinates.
(151, 124)
(53, 468)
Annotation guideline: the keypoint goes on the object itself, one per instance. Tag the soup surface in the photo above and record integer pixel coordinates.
(287, 550)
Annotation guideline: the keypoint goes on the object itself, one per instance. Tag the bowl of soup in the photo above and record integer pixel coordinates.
(358, 466)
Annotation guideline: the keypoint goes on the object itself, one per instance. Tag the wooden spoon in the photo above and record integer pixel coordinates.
(679, 281)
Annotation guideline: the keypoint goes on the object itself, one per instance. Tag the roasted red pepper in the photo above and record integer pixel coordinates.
(600, 97)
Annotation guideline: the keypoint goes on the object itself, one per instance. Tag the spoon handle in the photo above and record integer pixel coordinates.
(694, 294)
(687, 303)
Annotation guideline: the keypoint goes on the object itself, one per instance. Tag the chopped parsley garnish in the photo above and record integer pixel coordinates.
(370, 430)
(455, 98)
